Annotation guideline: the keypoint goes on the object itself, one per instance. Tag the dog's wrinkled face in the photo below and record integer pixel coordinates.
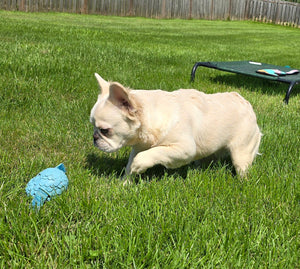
(113, 117)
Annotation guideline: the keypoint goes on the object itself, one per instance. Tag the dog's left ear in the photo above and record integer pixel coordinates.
(103, 85)
(120, 97)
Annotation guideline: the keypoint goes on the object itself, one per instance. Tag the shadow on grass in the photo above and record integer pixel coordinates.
(251, 83)
(101, 165)
(115, 167)
(107, 165)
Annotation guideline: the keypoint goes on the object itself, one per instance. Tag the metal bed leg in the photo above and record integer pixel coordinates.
(205, 64)
(288, 92)
(194, 71)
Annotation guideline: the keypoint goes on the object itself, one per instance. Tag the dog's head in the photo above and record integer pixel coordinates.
(114, 117)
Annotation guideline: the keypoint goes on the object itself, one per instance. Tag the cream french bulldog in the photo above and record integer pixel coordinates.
(174, 128)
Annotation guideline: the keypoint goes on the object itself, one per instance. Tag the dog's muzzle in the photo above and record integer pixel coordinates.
(102, 143)
(96, 136)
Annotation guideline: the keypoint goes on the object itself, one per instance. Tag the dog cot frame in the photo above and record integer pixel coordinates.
(249, 68)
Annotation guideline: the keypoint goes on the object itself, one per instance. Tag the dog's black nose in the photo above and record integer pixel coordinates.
(96, 135)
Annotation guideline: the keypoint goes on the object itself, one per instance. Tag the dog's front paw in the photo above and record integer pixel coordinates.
(137, 169)
(139, 164)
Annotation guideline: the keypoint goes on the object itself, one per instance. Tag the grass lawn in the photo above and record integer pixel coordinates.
(185, 218)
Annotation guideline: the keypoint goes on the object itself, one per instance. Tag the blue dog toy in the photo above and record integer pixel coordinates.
(48, 183)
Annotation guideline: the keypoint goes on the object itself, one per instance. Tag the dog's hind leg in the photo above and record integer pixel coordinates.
(241, 161)
(242, 157)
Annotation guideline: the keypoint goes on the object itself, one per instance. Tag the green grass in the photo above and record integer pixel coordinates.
(185, 218)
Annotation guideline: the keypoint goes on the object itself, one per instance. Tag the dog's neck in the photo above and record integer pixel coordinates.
(148, 134)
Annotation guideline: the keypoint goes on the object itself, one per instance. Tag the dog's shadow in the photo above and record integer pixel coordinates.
(114, 166)
(106, 165)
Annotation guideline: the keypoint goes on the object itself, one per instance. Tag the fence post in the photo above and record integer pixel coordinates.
(22, 5)
(163, 9)
(131, 8)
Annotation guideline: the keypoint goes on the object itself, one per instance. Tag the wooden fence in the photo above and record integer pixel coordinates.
(276, 11)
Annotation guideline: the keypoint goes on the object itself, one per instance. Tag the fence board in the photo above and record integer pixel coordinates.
(276, 11)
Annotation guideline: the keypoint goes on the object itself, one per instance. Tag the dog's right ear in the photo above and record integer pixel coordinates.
(120, 97)
(103, 84)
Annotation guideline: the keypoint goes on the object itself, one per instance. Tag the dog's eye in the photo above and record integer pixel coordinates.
(104, 132)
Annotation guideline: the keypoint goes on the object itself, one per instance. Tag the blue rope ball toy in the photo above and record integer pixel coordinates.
(47, 184)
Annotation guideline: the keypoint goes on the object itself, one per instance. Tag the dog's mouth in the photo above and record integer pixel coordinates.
(104, 145)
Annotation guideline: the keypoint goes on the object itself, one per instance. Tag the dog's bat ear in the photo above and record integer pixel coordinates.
(120, 97)
(103, 84)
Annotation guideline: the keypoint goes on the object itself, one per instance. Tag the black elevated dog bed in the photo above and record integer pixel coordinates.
(283, 74)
